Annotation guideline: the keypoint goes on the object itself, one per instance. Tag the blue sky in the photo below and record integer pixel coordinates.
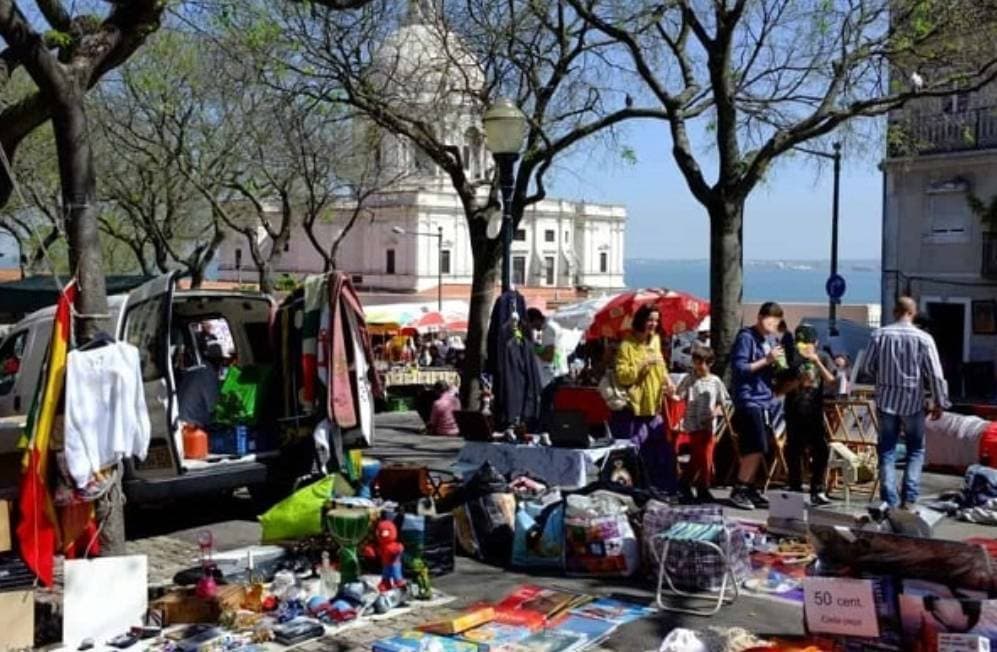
(789, 217)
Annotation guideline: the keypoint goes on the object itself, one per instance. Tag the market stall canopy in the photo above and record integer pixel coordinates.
(36, 292)
(435, 322)
(579, 316)
(680, 312)
(392, 317)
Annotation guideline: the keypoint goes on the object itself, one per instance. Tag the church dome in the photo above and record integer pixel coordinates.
(422, 62)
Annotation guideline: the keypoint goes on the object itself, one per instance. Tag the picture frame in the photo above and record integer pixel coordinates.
(985, 317)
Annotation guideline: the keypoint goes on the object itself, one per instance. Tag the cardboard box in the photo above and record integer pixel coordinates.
(5, 540)
(17, 620)
(182, 607)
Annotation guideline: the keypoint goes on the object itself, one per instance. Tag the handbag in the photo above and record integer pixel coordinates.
(615, 396)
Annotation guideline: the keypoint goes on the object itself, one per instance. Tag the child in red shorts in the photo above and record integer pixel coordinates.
(704, 395)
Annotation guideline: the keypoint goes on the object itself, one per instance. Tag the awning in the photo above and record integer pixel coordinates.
(37, 292)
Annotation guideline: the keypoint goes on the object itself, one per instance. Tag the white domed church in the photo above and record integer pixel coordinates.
(424, 68)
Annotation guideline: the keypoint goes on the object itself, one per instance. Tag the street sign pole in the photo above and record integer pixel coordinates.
(832, 309)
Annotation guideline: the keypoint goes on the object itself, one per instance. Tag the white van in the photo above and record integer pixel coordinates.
(164, 323)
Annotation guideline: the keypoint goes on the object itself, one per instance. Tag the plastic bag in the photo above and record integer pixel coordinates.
(240, 395)
(539, 539)
(299, 515)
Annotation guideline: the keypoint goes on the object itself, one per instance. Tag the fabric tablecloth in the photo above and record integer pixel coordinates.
(562, 467)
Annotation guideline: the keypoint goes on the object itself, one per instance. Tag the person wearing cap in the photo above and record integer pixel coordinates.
(806, 434)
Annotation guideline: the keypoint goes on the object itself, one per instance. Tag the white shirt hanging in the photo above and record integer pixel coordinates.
(106, 416)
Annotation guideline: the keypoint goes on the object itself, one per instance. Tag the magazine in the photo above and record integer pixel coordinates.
(593, 629)
(495, 637)
(615, 611)
(548, 602)
(418, 641)
(549, 640)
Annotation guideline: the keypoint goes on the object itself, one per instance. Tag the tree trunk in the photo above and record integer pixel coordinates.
(486, 271)
(196, 277)
(726, 280)
(266, 283)
(79, 193)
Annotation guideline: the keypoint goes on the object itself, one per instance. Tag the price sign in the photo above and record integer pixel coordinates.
(840, 606)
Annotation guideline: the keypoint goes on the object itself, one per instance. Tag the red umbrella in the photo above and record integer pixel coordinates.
(679, 311)
(426, 323)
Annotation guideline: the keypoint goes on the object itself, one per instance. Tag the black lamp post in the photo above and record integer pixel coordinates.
(439, 258)
(832, 307)
(505, 130)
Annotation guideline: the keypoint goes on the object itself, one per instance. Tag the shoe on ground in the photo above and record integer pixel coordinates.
(741, 498)
(758, 499)
(705, 497)
(820, 499)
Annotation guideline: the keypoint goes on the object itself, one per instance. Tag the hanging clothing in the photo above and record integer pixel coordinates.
(514, 367)
(106, 417)
(310, 327)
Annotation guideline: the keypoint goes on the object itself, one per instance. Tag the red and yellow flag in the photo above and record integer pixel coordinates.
(36, 530)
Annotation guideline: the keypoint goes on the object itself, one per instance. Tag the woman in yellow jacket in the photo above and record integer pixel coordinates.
(641, 369)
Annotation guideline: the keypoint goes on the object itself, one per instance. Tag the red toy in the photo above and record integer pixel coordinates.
(389, 552)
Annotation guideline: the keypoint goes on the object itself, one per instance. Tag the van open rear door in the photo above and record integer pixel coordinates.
(145, 323)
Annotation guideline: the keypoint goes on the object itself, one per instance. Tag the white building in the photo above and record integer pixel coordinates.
(558, 243)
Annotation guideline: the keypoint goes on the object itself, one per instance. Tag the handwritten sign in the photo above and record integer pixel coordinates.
(840, 606)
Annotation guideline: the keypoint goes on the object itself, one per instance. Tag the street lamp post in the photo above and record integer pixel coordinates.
(832, 307)
(505, 130)
(439, 257)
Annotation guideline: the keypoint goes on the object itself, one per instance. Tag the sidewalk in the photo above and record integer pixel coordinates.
(168, 535)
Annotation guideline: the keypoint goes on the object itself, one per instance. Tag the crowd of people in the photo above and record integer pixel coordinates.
(778, 378)
(431, 350)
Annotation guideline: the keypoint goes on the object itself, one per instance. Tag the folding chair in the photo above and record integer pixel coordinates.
(711, 537)
(854, 423)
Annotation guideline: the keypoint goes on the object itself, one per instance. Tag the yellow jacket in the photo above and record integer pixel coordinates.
(645, 396)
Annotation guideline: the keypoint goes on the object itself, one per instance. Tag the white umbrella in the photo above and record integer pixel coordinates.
(579, 316)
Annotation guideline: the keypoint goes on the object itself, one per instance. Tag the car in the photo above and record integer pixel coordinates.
(170, 328)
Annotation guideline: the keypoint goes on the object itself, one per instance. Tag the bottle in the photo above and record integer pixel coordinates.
(329, 576)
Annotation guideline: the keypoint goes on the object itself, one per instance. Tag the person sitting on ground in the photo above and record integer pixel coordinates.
(806, 434)
(704, 395)
(442, 422)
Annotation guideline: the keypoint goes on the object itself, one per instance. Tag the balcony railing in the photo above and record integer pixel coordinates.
(989, 256)
(943, 132)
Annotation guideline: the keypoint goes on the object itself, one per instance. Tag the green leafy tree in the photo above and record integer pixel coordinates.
(754, 79)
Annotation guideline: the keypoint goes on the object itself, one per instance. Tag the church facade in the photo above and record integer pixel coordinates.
(394, 245)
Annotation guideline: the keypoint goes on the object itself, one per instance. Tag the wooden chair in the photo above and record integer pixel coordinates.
(725, 428)
(854, 423)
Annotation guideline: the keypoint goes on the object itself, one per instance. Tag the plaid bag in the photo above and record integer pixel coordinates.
(691, 566)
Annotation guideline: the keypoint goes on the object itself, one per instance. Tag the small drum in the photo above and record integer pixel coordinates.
(348, 528)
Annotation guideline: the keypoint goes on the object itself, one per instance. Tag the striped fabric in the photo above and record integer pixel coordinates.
(904, 359)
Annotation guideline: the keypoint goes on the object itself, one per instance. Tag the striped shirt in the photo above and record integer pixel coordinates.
(903, 359)
(702, 396)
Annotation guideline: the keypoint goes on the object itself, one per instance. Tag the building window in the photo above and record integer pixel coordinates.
(466, 155)
(549, 269)
(550, 236)
(949, 217)
(519, 235)
(445, 261)
(287, 245)
(603, 262)
(519, 270)
(389, 263)
(567, 235)
(238, 258)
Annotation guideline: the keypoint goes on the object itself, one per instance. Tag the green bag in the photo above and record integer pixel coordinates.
(299, 515)
(241, 395)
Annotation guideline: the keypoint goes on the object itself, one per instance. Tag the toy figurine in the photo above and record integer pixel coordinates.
(389, 552)
(421, 571)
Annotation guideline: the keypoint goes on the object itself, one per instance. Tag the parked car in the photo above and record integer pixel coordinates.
(170, 328)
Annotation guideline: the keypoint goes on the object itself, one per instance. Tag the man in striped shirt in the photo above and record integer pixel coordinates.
(904, 359)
